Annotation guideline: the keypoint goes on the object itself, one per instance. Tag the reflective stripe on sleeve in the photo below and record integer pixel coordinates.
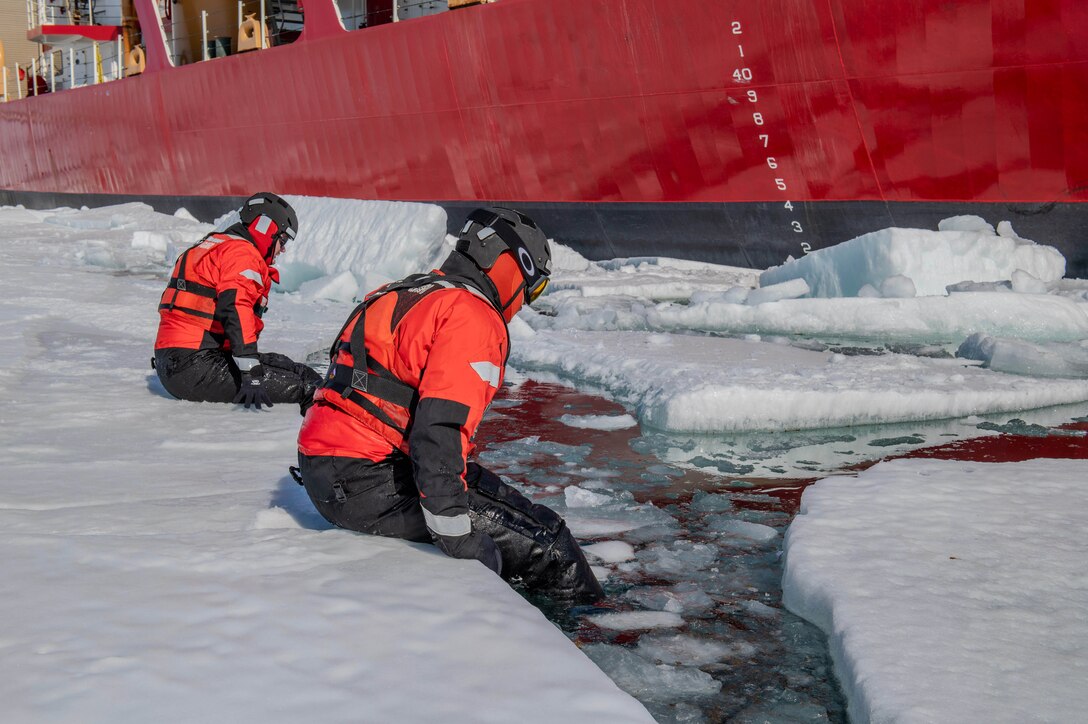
(253, 275)
(488, 372)
(245, 364)
(448, 525)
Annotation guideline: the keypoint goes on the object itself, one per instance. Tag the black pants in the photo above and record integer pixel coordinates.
(381, 498)
(210, 375)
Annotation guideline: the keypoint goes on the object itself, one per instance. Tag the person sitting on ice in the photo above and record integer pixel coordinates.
(384, 449)
(210, 315)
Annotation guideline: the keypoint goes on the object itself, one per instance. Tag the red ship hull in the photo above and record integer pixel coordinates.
(629, 126)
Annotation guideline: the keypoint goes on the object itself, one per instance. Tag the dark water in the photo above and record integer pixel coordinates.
(707, 545)
(727, 589)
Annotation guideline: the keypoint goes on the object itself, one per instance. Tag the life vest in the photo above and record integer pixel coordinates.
(188, 304)
(359, 385)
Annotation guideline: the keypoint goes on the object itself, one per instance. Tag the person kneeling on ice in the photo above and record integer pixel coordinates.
(210, 315)
(384, 448)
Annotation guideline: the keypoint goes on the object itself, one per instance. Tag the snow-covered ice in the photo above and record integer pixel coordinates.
(160, 565)
(1020, 357)
(610, 551)
(627, 620)
(599, 422)
(736, 385)
(964, 249)
(951, 592)
(158, 558)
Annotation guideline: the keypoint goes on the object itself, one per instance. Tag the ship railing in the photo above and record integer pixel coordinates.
(354, 14)
(59, 12)
(219, 36)
(225, 32)
(283, 22)
(106, 62)
(58, 70)
(408, 9)
(40, 13)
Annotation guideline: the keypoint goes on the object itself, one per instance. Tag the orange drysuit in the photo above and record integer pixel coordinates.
(384, 448)
(437, 353)
(217, 293)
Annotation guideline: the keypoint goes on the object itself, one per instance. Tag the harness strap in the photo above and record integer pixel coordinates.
(170, 306)
(370, 407)
(376, 380)
(182, 285)
(173, 283)
(336, 340)
(366, 374)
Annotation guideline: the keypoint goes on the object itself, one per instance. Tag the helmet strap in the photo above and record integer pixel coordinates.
(519, 292)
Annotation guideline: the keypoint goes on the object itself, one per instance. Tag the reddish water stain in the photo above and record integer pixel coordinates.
(540, 406)
(537, 412)
(539, 409)
(535, 409)
(1069, 441)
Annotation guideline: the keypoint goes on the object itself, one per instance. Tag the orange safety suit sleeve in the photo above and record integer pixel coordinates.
(239, 290)
(463, 370)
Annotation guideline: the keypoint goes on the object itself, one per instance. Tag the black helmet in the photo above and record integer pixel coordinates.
(276, 210)
(491, 231)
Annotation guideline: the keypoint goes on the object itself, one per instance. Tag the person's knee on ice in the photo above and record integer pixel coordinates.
(411, 374)
(364, 496)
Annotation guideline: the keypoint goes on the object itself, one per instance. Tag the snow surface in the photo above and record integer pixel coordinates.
(159, 559)
(736, 385)
(160, 565)
(950, 591)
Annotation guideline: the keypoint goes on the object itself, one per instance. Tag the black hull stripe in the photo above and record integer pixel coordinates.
(754, 234)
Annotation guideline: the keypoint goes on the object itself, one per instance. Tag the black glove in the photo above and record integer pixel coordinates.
(281, 361)
(275, 359)
(471, 545)
(252, 391)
